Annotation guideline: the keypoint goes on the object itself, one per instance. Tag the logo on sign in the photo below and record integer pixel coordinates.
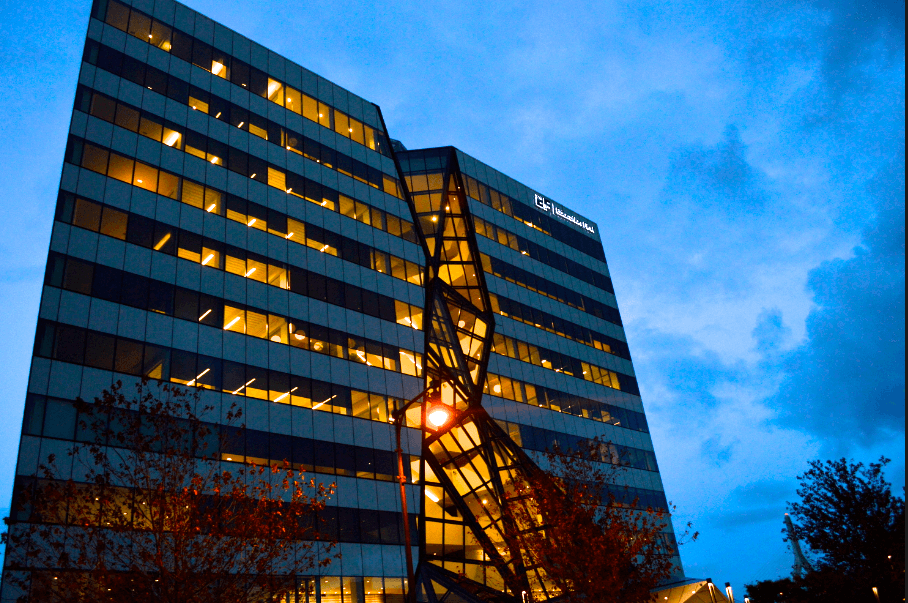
(549, 207)
(544, 204)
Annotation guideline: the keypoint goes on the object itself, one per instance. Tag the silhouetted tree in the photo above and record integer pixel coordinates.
(775, 591)
(855, 527)
(153, 513)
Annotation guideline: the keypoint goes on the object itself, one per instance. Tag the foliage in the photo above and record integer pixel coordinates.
(850, 519)
(854, 528)
(152, 513)
(593, 548)
(775, 591)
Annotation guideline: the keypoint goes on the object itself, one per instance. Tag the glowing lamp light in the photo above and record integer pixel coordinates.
(439, 415)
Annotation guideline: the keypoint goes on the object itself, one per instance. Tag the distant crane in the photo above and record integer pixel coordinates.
(800, 564)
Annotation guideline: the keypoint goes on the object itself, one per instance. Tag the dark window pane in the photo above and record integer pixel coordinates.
(324, 457)
(140, 231)
(33, 421)
(302, 453)
(280, 448)
(182, 46)
(182, 366)
(178, 90)
(99, 350)
(129, 357)
(365, 462)
(107, 283)
(326, 524)
(59, 420)
(186, 305)
(369, 526)
(160, 297)
(78, 276)
(385, 465)
(344, 459)
(156, 80)
(257, 446)
(135, 290)
(258, 82)
(70, 344)
(348, 521)
(164, 239)
(233, 443)
(317, 286)
(56, 266)
(390, 527)
(44, 339)
(239, 73)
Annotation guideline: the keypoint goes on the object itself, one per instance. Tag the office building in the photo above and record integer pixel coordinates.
(229, 221)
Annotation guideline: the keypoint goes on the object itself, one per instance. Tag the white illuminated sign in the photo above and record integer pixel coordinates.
(549, 207)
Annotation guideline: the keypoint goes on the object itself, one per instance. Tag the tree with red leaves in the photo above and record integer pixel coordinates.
(151, 512)
(593, 547)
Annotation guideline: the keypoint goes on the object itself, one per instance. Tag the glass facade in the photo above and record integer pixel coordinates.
(517, 288)
(231, 222)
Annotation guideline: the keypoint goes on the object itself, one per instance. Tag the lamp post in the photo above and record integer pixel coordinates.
(438, 415)
(710, 586)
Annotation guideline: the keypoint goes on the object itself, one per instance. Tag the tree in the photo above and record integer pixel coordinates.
(855, 527)
(152, 513)
(783, 590)
(593, 547)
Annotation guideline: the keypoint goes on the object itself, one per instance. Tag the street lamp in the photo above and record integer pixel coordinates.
(710, 587)
(438, 415)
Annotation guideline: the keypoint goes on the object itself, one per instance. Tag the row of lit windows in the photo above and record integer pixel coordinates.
(543, 397)
(559, 326)
(325, 589)
(534, 282)
(237, 209)
(117, 507)
(199, 145)
(214, 201)
(122, 355)
(119, 354)
(542, 254)
(55, 418)
(133, 290)
(191, 50)
(555, 361)
(157, 180)
(157, 236)
(129, 289)
(159, 82)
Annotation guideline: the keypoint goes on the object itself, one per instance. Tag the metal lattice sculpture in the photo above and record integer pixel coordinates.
(471, 469)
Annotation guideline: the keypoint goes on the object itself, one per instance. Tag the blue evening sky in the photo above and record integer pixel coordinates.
(744, 160)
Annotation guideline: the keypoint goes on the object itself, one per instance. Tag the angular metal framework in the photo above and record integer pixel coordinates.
(471, 467)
